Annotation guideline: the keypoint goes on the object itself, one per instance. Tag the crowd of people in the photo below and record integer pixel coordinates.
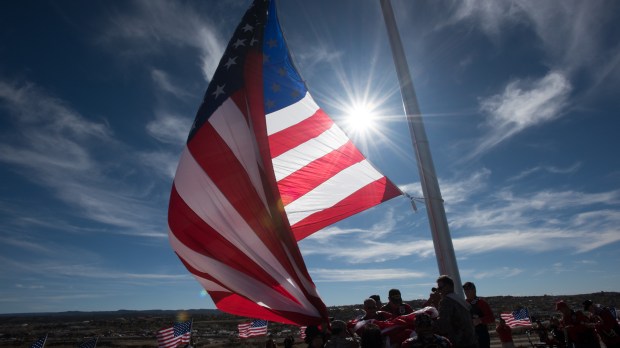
(451, 321)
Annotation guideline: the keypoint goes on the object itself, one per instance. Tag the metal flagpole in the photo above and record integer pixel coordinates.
(444, 250)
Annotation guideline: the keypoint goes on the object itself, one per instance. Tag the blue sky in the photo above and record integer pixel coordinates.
(520, 102)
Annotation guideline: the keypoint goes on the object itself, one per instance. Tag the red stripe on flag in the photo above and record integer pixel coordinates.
(317, 172)
(298, 134)
(367, 197)
(210, 243)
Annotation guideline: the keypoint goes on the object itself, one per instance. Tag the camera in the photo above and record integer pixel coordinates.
(433, 289)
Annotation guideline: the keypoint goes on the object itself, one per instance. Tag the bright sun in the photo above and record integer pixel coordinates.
(361, 117)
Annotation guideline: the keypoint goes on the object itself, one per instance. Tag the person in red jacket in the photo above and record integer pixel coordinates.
(396, 305)
(482, 315)
(505, 334)
(578, 333)
(606, 326)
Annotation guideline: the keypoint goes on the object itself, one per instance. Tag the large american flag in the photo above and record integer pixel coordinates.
(516, 318)
(255, 328)
(263, 167)
(178, 333)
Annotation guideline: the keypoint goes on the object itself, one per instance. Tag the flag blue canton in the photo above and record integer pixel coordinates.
(521, 314)
(282, 85)
(259, 323)
(182, 328)
(40, 343)
(228, 78)
(91, 343)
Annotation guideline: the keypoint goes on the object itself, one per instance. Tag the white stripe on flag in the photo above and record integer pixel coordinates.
(332, 191)
(240, 283)
(313, 149)
(291, 115)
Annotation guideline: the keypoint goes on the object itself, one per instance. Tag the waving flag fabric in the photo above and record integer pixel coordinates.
(263, 167)
(40, 343)
(91, 343)
(179, 333)
(519, 317)
(253, 329)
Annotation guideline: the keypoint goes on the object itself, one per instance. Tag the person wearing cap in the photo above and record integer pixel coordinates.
(578, 332)
(340, 336)
(395, 304)
(425, 338)
(604, 323)
(482, 315)
(454, 321)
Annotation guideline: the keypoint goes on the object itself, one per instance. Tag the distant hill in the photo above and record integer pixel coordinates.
(125, 313)
(537, 305)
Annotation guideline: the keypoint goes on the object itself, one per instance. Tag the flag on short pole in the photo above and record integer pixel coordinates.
(178, 333)
(302, 332)
(91, 343)
(520, 317)
(254, 328)
(263, 167)
(39, 343)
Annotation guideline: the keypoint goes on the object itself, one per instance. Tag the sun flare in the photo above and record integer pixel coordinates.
(361, 117)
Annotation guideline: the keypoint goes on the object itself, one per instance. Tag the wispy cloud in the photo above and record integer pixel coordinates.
(510, 209)
(57, 268)
(492, 273)
(522, 104)
(151, 24)
(573, 36)
(490, 16)
(164, 163)
(56, 147)
(549, 169)
(455, 191)
(163, 81)
(500, 220)
(169, 128)
(362, 275)
(571, 33)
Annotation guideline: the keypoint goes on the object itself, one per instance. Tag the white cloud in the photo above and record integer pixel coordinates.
(169, 128)
(572, 33)
(492, 273)
(154, 23)
(54, 146)
(362, 275)
(505, 208)
(549, 169)
(491, 16)
(162, 81)
(49, 133)
(162, 162)
(537, 222)
(73, 268)
(522, 105)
